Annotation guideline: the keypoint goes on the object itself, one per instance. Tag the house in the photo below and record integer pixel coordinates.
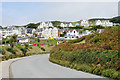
(84, 23)
(100, 30)
(63, 25)
(72, 34)
(30, 31)
(86, 32)
(66, 24)
(45, 24)
(70, 25)
(23, 40)
(77, 24)
(50, 32)
(105, 23)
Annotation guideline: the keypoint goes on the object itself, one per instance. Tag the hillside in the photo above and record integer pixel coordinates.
(98, 55)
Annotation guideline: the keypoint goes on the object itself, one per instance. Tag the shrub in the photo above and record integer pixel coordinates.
(11, 50)
(42, 49)
(2, 51)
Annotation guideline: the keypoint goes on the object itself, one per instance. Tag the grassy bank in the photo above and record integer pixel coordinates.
(98, 54)
(9, 53)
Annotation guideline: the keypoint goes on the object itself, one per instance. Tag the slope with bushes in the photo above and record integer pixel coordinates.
(98, 55)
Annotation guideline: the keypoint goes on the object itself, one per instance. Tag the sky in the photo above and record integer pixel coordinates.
(22, 13)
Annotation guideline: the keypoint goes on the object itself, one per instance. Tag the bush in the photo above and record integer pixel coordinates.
(2, 51)
(112, 73)
(42, 49)
(11, 50)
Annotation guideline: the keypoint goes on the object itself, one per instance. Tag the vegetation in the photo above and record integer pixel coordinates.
(2, 51)
(115, 20)
(56, 23)
(98, 55)
(32, 25)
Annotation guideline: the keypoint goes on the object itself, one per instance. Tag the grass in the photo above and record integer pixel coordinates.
(80, 42)
(35, 50)
(46, 42)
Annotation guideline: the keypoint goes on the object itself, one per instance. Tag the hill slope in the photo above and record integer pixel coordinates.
(98, 55)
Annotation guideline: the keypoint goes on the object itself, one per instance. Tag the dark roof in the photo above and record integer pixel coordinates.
(22, 38)
(29, 30)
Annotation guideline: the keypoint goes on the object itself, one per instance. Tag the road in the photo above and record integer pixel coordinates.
(40, 67)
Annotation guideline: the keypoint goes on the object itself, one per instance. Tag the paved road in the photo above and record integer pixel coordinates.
(40, 67)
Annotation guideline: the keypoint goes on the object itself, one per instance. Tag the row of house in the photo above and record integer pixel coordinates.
(85, 23)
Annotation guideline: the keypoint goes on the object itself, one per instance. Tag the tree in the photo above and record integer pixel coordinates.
(80, 27)
(11, 42)
(95, 27)
(115, 20)
(14, 37)
(26, 46)
(32, 25)
(38, 40)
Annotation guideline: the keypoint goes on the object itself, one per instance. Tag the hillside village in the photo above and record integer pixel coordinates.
(63, 30)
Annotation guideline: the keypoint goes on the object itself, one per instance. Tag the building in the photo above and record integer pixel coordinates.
(84, 23)
(105, 23)
(50, 32)
(45, 24)
(23, 40)
(77, 24)
(66, 24)
(30, 31)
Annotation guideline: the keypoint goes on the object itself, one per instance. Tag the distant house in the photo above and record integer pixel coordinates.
(105, 23)
(50, 32)
(45, 24)
(66, 24)
(30, 31)
(86, 32)
(23, 40)
(77, 24)
(72, 34)
(84, 23)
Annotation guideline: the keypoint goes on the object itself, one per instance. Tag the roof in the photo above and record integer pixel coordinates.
(22, 38)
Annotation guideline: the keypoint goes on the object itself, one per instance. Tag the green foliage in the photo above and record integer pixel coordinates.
(80, 27)
(32, 25)
(94, 19)
(77, 40)
(12, 50)
(43, 49)
(56, 23)
(62, 35)
(2, 51)
(115, 19)
(99, 53)
(26, 45)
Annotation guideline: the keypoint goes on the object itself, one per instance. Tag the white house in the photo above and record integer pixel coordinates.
(45, 24)
(23, 40)
(72, 34)
(50, 32)
(70, 25)
(66, 24)
(84, 23)
(77, 24)
(105, 23)
(63, 25)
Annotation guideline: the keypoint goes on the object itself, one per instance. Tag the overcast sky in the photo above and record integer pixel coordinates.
(21, 13)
